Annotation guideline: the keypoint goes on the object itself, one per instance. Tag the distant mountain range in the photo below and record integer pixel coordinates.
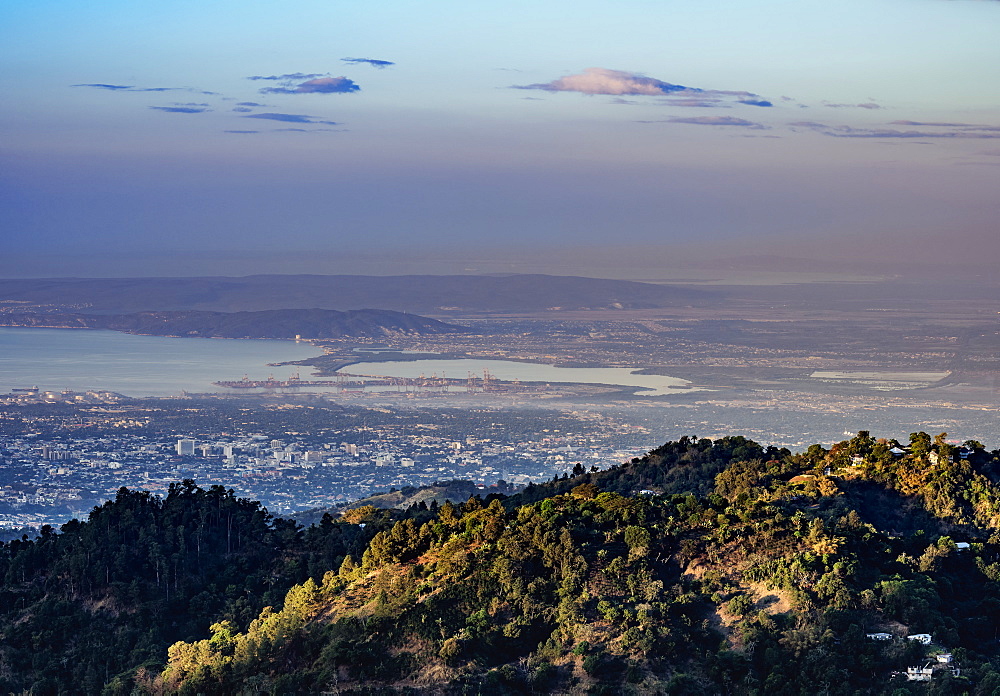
(288, 323)
(422, 294)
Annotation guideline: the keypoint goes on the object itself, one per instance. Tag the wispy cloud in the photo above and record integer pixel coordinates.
(717, 121)
(938, 131)
(290, 118)
(288, 77)
(374, 62)
(133, 88)
(101, 85)
(865, 105)
(697, 103)
(938, 124)
(196, 109)
(712, 121)
(308, 130)
(319, 85)
(887, 133)
(290, 83)
(246, 107)
(814, 125)
(789, 101)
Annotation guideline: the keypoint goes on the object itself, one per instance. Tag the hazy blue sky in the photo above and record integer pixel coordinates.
(224, 137)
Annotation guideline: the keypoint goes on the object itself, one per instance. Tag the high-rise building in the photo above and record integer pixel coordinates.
(185, 447)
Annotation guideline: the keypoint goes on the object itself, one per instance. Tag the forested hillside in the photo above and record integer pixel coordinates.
(99, 597)
(703, 568)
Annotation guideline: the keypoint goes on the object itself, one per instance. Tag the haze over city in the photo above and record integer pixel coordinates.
(593, 138)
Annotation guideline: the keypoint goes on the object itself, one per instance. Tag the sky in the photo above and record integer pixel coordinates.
(618, 139)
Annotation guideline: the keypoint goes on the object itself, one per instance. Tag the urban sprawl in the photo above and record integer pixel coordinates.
(60, 460)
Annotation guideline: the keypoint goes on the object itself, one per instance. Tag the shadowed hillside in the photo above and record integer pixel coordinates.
(702, 568)
(426, 294)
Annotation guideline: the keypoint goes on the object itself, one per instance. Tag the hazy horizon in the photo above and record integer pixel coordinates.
(651, 265)
(585, 138)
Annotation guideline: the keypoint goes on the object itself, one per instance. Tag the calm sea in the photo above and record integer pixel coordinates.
(76, 359)
(652, 385)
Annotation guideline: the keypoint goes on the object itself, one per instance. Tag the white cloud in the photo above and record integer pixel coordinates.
(605, 81)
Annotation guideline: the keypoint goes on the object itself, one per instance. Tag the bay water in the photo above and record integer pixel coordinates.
(83, 359)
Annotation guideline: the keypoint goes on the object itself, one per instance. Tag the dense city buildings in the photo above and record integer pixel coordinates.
(59, 460)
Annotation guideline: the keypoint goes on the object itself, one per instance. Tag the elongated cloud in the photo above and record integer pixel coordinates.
(374, 62)
(938, 124)
(716, 121)
(290, 118)
(621, 83)
(307, 130)
(846, 132)
(697, 102)
(319, 85)
(182, 109)
(865, 105)
(728, 121)
(940, 131)
(815, 125)
(101, 85)
(246, 107)
(604, 81)
(133, 88)
(288, 77)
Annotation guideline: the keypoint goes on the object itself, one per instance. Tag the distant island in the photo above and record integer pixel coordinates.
(273, 324)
